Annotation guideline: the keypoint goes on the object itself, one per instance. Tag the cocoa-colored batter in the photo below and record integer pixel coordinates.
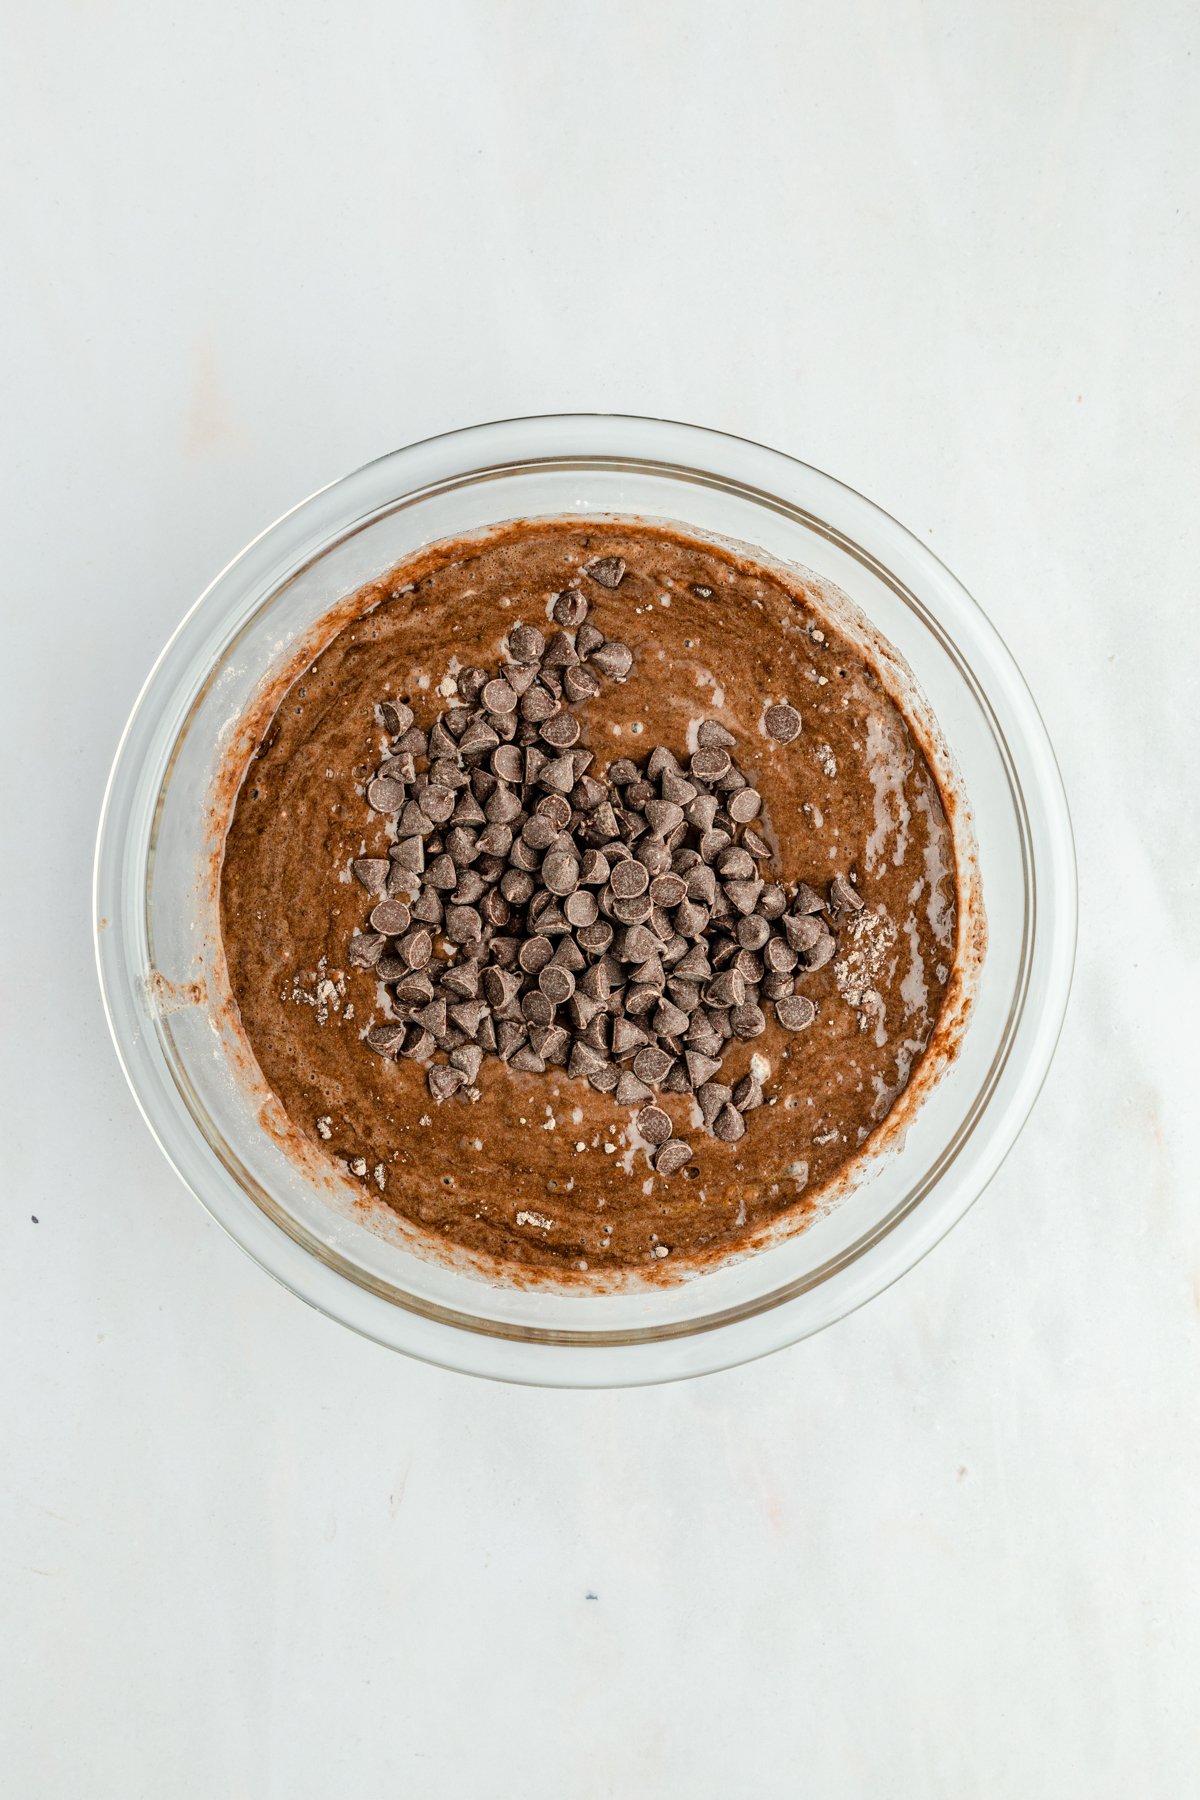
(537, 1168)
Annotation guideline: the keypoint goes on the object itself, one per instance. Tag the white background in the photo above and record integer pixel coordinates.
(947, 252)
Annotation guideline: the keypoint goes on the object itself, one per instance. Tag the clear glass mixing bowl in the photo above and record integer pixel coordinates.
(158, 949)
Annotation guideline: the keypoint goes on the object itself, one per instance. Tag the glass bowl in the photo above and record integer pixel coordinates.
(161, 971)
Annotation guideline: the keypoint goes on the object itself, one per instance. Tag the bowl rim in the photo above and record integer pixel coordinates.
(690, 1347)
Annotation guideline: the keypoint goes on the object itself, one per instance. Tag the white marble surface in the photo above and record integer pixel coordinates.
(948, 253)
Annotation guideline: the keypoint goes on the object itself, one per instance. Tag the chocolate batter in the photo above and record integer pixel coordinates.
(538, 1168)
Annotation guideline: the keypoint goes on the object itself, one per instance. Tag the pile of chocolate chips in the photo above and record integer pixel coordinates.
(620, 927)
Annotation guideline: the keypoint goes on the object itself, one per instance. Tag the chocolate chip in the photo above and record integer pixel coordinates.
(782, 723)
(534, 954)
(709, 765)
(387, 1039)
(640, 998)
(635, 944)
(445, 733)
(713, 736)
(654, 1124)
(802, 932)
(613, 659)
(596, 937)
(748, 1094)
(494, 840)
(538, 704)
(468, 1058)
(584, 1061)
(779, 957)
(559, 775)
(726, 989)
(626, 1037)
(463, 924)
(559, 654)
(418, 1045)
(517, 886)
(691, 919)
(820, 954)
(745, 805)
(536, 1008)
(672, 1156)
(427, 907)
(560, 872)
(502, 807)
(508, 762)
(712, 843)
(510, 1035)
(844, 896)
(651, 1063)
(580, 908)
(795, 1012)
(735, 862)
(468, 1015)
(702, 884)
(372, 872)
(365, 949)
(595, 1033)
(669, 1020)
(415, 948)
(594, 869)
(413, 988)
(668, 890)
(396, 716)
(557, 809)
(580, 684)
(385, 795)
(557, 984)
(748, 1020)
(499, 987)
(432, 1018)
(552, 1043)
(471, 683)
(442, 873)
(693, 965)
(729, 1125)
(569, 608)
(437, 804)
(753, 932)
(609, 571)
(462, 980)
(478, 737)
(700, 1068)
(744, 894)
(561, 731)
(525, 643)
(651, 972)
(663, 816)
(444, 1081)
(391, 917)
(632, 909)
(498, 697)
(411, 742)
(629, 879)
(677, 788)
